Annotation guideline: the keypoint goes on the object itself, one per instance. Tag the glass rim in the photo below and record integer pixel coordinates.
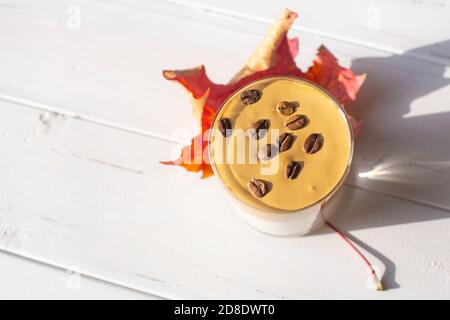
(295, 79)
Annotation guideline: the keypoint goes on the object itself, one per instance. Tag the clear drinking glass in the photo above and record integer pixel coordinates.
(271, 220)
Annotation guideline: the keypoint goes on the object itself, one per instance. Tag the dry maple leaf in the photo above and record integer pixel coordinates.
(274, 56)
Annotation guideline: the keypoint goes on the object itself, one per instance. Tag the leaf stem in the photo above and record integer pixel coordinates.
(353, 247)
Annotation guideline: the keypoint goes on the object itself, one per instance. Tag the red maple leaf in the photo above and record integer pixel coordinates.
(274, 56)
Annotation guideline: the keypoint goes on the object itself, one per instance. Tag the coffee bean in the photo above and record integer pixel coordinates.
(286, 108)
(293, 168)
(250, 96)
(285, 141)
(225, 127)
(257, 187)
(266, 152)
(259, 128)
(296, 122)
(314, 143)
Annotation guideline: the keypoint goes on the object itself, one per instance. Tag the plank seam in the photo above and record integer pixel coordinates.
(73, 115)
(394, 196)
(102, 278)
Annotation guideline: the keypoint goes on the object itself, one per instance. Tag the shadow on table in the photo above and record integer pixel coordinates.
(402, 150)
(414, 163)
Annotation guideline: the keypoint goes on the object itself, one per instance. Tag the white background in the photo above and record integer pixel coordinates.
(85, 118)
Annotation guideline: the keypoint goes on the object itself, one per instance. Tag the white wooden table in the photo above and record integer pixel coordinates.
(85, 118)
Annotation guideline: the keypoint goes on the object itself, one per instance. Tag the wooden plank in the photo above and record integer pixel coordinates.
(415, 28)
(79, 194)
